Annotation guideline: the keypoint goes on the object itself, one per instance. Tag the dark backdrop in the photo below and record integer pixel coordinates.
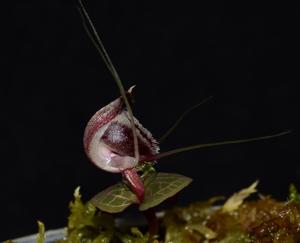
(177, 54)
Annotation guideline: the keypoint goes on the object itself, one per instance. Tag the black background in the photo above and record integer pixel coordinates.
(177, 54)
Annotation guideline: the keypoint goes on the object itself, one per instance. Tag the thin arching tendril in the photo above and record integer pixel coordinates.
(185, 113)
(208, 145)
(104, 55)
(93, 39)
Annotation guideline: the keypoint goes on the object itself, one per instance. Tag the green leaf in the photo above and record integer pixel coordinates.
(208, 233)
(82, 215)
(114, 199)
(236, 237)
(161, 186)
(135, 236)
(41, 235)
(237, 199)
(294, 195)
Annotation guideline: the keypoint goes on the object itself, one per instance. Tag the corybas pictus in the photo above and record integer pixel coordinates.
(115, 141)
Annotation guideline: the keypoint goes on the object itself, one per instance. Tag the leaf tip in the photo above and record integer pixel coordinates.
(77, 192)
(238, 198)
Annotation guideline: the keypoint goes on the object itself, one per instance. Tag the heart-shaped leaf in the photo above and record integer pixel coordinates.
(114, 199)
(161, 186)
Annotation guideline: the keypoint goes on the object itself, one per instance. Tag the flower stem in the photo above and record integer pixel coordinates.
(152, 220)
(135, 183)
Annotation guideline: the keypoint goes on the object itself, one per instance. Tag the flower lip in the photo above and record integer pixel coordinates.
(100, 119)
(108, 139)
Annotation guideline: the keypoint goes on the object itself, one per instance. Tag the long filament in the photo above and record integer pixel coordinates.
(208, 145)
(185, 113)
(105, 57)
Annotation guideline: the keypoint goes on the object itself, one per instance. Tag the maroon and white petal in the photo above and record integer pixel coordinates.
(108, 139)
